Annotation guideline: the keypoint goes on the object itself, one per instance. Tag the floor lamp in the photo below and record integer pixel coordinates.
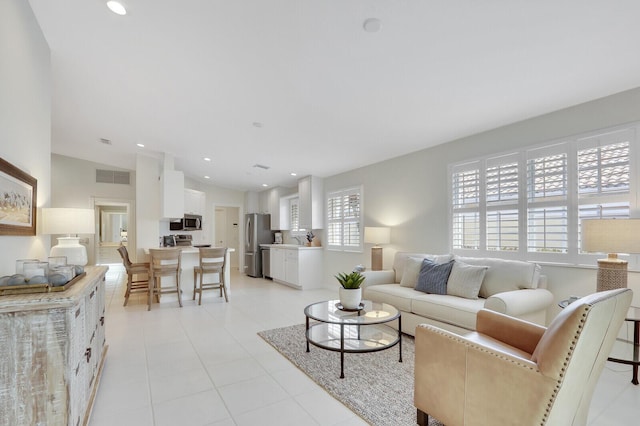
(377, 235)
(611, 236)
(69, 221)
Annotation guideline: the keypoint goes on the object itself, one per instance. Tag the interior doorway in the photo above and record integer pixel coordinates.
(227, 230)
(114, 226)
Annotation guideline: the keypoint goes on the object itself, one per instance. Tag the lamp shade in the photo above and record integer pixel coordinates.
(68, 221)
(611, 235)
(377, 235)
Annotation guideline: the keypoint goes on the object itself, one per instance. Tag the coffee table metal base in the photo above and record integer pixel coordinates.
(353, 338)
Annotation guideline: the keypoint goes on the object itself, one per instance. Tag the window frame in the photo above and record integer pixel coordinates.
(358, 189)
(574, 201)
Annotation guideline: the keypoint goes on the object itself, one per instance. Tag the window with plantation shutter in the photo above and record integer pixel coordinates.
(294, 215)
(502, 197)
(466, 203)
(529, 204)
(344, 219)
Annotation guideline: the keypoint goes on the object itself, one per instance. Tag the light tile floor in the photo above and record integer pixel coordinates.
(205, 365)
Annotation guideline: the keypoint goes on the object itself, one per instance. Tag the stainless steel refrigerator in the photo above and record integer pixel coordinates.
(257, 230)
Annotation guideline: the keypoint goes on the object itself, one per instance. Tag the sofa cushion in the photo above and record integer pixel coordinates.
(504, 275)
(393, 294)
(433, 277)
(407, 276)
(465, 280)
(449, 309)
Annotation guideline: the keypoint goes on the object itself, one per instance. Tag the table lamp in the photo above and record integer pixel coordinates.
(377, 235)
(69, 221)
(611, 236)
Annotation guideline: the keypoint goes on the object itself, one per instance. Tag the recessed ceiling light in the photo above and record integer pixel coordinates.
(141, 145)
(293, 174)
(257, 124)
(264, 184)
(207, 177)
(116, 7)
(371, 25)
(207, 159)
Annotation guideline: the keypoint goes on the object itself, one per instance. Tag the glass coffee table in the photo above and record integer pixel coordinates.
(353, 331)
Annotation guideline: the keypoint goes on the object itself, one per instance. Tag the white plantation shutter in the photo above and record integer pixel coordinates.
(529, 204)
(344, 219)
(502, 195)
(604, 176)
(466, 206)
(294, 214)
(547, 189)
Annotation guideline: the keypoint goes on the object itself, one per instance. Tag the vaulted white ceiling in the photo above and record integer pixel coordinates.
(300, 86)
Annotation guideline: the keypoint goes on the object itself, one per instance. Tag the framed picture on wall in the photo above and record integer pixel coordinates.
(17, 201)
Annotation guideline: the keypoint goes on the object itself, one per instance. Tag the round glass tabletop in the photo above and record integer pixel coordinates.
(371, 313)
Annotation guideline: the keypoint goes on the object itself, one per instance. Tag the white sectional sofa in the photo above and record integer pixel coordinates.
(511, 287)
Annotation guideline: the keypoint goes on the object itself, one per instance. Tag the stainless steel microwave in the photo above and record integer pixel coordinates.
(190, 222)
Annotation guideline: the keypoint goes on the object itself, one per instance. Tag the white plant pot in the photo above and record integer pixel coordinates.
(350, 297)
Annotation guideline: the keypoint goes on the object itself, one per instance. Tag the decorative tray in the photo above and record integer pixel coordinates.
(342, 308)
(38, 288)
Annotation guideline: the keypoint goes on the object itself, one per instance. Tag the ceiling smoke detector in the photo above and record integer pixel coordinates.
(371, 25)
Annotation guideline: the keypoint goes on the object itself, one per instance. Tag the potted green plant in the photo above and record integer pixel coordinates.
(350, 290)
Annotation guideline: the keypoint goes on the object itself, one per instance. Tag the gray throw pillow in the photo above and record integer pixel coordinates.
(465, 280)
(433, 277)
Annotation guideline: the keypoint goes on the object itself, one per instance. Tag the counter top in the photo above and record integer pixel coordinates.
(290, 246)
(185, 249)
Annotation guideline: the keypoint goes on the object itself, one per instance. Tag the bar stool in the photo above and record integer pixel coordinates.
(134, 286)
(164, 262)
(212, 261)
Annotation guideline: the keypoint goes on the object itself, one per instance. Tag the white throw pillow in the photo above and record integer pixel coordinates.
(412, 268)
(411, 271)
(465, 280)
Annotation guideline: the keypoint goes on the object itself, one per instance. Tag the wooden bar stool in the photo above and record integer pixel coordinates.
(134, 286)
(164, 262)
(212, 261)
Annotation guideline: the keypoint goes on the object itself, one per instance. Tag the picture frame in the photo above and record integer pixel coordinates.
(18, 196)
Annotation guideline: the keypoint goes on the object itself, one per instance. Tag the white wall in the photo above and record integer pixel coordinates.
(410, 193)
(25, 116)
(73, 184)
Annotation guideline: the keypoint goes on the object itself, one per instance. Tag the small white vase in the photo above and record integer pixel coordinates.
(350, 297)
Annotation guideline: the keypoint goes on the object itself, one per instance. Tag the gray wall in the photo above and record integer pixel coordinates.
(410, 193)
(25, 116)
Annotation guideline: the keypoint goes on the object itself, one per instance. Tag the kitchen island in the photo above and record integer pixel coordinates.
(297, 266)
(191, 258)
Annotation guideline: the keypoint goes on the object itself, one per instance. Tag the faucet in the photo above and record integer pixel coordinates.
(298, 239)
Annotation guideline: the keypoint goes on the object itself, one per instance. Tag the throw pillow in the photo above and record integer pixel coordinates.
(411, 271)
(412, 268)
(465, 280)
(433, 277)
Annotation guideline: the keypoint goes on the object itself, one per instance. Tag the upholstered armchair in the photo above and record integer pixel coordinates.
(514, 372)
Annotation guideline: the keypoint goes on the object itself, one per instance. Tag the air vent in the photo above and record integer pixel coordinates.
(261, 166)
(112, 176)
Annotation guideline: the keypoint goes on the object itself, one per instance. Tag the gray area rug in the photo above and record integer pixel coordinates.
(376, 386)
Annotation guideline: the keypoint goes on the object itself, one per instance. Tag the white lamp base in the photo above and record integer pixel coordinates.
(70, 247)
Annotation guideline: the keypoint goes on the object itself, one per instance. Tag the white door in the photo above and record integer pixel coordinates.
(221, 227)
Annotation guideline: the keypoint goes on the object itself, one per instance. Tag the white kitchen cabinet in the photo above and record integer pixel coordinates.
(277, 264)
(291, 267)
(296, 266)
(172, 194)
(194, 202)
(54, 347)
(311, 202)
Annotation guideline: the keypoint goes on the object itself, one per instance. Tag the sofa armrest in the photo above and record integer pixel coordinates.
(520, 302)
(515, 332)
(387, 276)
